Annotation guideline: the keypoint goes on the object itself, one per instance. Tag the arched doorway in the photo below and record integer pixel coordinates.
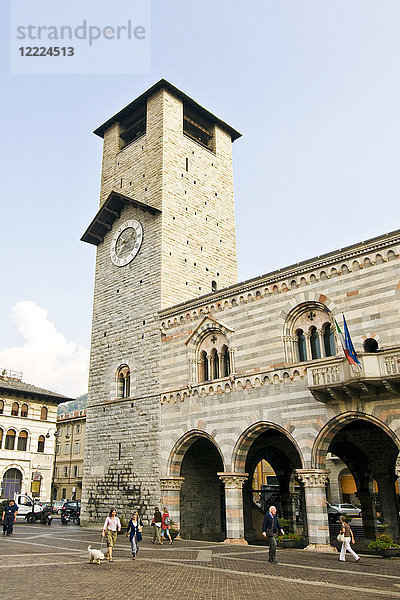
(269, 443)
(369, 449)
(202, 496)
(11, 484)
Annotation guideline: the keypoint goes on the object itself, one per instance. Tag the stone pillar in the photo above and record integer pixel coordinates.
(171, 497)
(308, 345)
(368, 512)
(232, 362)
(388, 501)
(193, 370)
(314, 481)
(233, 483)
(321, 342)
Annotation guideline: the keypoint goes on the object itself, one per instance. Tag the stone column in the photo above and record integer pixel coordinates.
(210, 369)
(171, 497)
(232, 363)
(233, 483)
(368, 512)
(388, 501)
(193, 370)
(321, 342)
(314, 481)
(308, 345)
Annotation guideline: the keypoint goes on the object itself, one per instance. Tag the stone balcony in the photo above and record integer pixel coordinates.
(334, 378)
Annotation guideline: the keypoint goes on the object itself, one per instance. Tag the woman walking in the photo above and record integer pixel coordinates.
(111, 525)
(348, 535)
(135, 527)
(165, 525)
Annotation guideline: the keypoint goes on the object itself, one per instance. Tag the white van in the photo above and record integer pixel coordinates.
(25, 504)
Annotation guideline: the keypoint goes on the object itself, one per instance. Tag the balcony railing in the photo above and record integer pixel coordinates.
(336, 378)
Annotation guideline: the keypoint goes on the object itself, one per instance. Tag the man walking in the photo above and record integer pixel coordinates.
(271, 527)
(9, 517)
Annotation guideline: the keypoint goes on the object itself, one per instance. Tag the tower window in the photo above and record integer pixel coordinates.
(213, 286)
(134, 126)
(187, 164)
(198, 128)
(123, 381)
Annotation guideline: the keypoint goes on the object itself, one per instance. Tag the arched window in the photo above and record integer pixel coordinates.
(24, 410)
(1, 407)
(22, 441)
(43, 413)
(213, 358)
(370, 345)
(214, 364)
(309, 332)
(314, 343)
(301, 345)
(123, 382)
(203, 366)
(15, 409)
(40, 446)
(1, 437)
(10, 440)
(329, 341)
(225, 362)
(213, 286)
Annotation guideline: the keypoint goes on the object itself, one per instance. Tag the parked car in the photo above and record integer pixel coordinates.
(333, 513)
(57, 506)
(348, 509)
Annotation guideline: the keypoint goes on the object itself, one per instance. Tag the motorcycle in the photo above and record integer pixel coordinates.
(46, 517)
(65, 517)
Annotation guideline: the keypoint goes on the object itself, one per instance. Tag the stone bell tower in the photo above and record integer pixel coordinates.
(165, 234)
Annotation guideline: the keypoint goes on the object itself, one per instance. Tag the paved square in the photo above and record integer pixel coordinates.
(41, 562)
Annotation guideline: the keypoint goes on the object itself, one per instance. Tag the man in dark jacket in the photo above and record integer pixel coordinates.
(9, 517)
(271, 527)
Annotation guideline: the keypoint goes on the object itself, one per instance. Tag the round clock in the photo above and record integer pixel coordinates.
(126, 242)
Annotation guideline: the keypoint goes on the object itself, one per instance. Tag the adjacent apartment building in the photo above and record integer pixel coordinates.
(69, 455)
(28, 417)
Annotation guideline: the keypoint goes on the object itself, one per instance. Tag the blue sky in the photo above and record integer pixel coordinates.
(312, 86)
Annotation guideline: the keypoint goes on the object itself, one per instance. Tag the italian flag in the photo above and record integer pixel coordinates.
(347, 344)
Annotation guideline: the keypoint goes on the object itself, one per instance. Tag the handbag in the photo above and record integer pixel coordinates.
(341, 538)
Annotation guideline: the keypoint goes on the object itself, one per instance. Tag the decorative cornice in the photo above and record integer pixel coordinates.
(233, 480)
(319, 262)
(171, 483)
(313, 477)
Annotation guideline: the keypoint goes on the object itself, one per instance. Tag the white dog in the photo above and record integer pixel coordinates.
(95, 556)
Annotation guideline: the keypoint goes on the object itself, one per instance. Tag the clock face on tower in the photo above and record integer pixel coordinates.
(126, 242)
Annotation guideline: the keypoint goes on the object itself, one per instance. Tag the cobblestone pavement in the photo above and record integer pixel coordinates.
(41, 562)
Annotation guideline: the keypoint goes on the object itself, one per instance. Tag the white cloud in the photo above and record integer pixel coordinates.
(47, 359)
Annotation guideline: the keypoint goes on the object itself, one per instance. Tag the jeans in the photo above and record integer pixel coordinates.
(134, 546)
(272, 547)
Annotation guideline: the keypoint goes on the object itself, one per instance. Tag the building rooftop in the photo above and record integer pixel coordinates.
(190, 103)
(8, 384)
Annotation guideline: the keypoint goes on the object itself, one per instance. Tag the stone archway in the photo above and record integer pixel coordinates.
(11, 483)
(194, 467)
(369, 449)
(269, 442)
